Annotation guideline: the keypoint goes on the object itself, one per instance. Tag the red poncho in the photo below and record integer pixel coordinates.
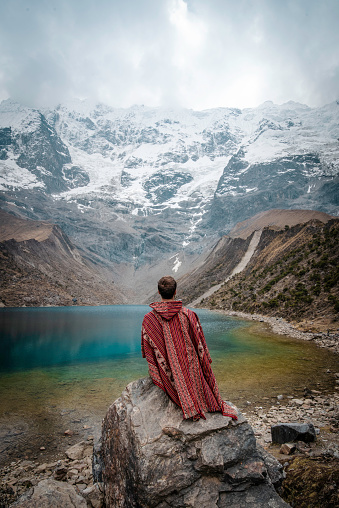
(174, 345)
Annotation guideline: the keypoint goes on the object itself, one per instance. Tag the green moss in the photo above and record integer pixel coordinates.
(311, 483)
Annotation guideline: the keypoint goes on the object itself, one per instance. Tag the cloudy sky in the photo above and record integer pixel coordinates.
(191, 53)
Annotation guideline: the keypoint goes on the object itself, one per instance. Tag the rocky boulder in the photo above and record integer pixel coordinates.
(51, 494)
(285, 432)
(153, 458)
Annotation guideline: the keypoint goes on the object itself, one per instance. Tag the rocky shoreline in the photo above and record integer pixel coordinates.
(311, 469)
(316, 408)
(68, 479)
(280, 326)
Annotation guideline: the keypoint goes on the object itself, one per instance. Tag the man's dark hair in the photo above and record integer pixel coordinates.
(167, 286)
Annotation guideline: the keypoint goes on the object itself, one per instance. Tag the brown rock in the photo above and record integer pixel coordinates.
(79, 451)
(81, 486)
(51, 494)
(60, 472)
(41, 469)
(287, 448)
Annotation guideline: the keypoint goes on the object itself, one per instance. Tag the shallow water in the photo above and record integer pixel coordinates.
(61, 368)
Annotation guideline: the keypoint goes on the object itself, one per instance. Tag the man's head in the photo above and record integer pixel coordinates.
(167, 287)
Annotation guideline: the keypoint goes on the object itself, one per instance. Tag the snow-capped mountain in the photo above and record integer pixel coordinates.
(141, 185)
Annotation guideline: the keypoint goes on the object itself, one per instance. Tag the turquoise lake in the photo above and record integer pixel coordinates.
(65, 336)
(62, 367)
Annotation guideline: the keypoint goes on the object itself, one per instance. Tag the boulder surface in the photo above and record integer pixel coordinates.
(51, 494)
(153, 458)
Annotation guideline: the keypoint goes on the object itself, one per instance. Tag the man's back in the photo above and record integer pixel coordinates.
(179, 361)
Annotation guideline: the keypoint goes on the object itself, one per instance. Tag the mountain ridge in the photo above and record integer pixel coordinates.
(276, 218)
(41, 267)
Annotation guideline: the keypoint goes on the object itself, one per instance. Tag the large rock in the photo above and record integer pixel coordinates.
(154, 458)
(286, 432)
(51, 494)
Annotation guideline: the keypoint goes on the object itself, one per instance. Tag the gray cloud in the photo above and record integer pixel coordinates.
(191, 53)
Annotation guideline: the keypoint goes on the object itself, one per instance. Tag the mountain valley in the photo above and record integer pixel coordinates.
(146, 191)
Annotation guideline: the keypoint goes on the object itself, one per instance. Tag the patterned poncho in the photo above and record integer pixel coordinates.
(174, 345)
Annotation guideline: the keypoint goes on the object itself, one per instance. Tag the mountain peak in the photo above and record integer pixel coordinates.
(11, 106)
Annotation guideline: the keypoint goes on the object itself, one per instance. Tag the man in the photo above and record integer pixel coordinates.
(174, 345)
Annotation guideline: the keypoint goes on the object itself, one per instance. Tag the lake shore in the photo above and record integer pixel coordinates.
(280, 326)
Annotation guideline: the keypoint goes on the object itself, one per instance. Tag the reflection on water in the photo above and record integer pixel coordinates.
(66, 335)
(60, 366)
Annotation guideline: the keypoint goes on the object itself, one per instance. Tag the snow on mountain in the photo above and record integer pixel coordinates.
(138, 183)
(122, 150)
(146, 156)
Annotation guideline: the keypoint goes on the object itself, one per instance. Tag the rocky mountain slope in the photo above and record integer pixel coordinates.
(232, 249)
(142, 187)
(39, 266)
(293, 274)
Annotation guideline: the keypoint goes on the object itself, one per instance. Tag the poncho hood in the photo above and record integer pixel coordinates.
(167, 310)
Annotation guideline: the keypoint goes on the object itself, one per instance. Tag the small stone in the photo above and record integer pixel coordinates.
(42, 448)
(68, 432)
(287, 448)
(73, 472)
(81, 479)
(297, 402)
(52, 465)
(280, 397)
(81, 486)
(41, 469)
(79, 451)
(60, 473)
(27, 464)
(51, 494)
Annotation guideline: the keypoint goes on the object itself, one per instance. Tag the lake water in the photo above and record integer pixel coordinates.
(62, 367)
